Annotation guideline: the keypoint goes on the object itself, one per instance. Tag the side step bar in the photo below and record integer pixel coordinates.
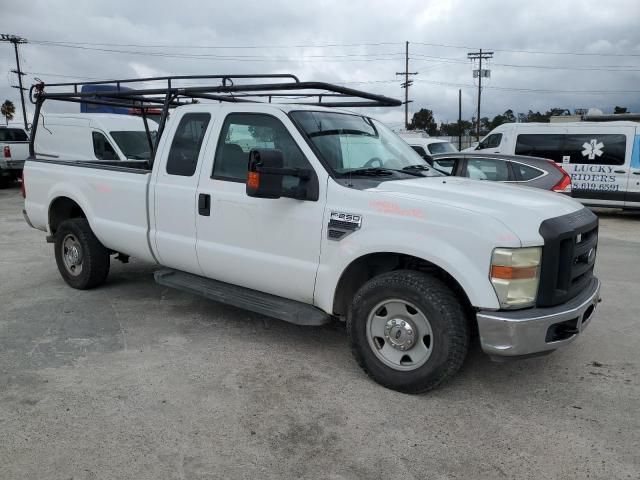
(245, 298)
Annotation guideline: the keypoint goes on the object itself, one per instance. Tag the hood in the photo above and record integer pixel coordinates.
(521, 209)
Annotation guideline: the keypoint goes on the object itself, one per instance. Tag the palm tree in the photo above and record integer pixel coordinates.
(8, 110)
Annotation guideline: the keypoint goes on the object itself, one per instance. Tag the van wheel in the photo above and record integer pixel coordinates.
(408, 331)
(82, 260)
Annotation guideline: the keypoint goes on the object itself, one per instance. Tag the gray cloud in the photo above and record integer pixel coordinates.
(588, 26)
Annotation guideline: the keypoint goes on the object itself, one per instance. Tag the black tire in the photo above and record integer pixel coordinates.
(445, 314)
(94, 266)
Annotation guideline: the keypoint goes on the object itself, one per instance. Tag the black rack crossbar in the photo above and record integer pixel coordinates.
(171, 94)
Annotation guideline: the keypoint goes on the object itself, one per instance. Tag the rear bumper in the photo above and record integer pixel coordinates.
(537, 330)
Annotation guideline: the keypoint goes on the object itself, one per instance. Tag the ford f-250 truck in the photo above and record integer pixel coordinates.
(307, 213)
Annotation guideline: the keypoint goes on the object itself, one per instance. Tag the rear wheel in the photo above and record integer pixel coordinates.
(82, 260)
(408, 331)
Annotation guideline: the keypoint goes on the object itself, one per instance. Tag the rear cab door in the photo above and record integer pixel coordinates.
(173, 199)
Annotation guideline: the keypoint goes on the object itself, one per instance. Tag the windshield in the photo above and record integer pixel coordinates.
(441, 147)
(349, 143)
(134, 144)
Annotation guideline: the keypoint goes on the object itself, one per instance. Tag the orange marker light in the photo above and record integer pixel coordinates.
(513, 273)
(253, 180)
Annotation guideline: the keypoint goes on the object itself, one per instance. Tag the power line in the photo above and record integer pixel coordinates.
(535, 90)
(537, 52)
(220, 47)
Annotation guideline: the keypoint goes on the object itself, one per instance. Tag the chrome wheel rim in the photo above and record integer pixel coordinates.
(399, 334)
(72, 255)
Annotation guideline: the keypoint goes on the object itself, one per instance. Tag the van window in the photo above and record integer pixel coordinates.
(102, 148)
(608, 149)
(541, 145)
(134, 144)
(441, 147)
(492, 141)
(600, 149)
(186, 144)
(241, 133)
(13, 135)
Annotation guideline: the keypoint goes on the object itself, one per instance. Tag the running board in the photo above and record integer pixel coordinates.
(245, 298)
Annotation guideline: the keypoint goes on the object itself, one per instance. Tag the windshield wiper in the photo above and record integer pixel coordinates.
(380, 171)
(423, 168)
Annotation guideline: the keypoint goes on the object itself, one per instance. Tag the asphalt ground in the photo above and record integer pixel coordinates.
(136, 381)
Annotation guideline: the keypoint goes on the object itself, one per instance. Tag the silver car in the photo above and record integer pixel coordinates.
(517, 169)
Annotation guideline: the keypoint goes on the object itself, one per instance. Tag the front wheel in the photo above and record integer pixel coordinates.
(408, 331)
(82, 260)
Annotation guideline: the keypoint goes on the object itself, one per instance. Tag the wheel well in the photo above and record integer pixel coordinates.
(61, 209)
(365, 268)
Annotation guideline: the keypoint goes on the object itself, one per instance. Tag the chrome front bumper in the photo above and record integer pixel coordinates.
(537, 330)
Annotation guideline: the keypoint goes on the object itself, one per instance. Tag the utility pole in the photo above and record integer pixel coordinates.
(459, 119)
(479, 73)
(4, 37)
(406, 84)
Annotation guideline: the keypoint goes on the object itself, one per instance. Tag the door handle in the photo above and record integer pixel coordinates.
(204, 204)
(637, 173)
(619, 171)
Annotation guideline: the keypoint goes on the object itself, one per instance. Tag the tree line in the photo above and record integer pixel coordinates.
(424, 120)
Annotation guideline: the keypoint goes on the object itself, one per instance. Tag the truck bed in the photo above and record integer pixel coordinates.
(114, 196)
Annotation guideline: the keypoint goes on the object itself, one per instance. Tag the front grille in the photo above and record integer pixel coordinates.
(568, 256)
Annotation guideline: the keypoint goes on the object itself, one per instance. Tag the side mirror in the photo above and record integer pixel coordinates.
(264, 174)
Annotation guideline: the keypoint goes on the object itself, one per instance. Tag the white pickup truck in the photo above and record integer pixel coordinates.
(306, 213)
(14, 150)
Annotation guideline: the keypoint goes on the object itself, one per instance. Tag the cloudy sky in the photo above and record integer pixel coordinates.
(595, 44)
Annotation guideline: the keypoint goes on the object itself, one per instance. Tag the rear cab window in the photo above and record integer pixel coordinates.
(186, 144)
(13, 135)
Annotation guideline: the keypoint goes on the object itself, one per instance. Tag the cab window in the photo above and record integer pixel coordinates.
(186, 144)
(487, 169)
(102, 149)
(241, 133)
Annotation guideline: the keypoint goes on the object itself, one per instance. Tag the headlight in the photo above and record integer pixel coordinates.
(515, 274)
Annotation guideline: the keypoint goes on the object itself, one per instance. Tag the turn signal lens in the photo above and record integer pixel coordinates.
(515, 274)
(253, 180)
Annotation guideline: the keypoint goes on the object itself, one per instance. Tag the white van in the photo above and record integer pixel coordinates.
(99, 136)
(603, 158)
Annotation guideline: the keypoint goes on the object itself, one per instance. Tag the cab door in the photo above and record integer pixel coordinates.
(271, 245)
(173, 228)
